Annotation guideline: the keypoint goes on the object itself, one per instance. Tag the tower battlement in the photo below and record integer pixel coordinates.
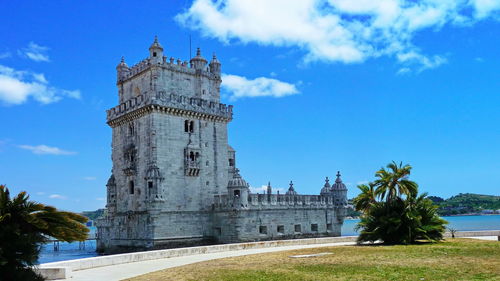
(168, 64)
(277, 201)
(172, 103)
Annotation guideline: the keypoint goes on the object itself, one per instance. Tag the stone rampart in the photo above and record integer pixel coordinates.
(279, 201)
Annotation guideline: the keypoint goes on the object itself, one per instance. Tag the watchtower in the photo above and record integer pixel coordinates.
(170, 152)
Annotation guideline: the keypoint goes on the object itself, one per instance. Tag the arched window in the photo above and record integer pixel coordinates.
(191, 156)
(154, 54)
(131, 187)
(196, 156)
(131, 130)
(191, 126)
(186, 126)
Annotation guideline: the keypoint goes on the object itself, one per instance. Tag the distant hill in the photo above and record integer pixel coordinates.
(463, 203)
(466, 203)
(93, 215)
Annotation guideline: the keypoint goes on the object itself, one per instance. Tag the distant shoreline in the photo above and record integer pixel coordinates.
(458, 215)
(471, 214)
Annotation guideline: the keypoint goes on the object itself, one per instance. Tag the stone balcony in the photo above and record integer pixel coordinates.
(174, 103)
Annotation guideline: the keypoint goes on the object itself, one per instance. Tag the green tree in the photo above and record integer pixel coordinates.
(394, 182)
(400, 216)
(24, 226)
(366, 198)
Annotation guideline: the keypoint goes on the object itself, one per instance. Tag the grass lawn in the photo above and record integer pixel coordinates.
(454, 259)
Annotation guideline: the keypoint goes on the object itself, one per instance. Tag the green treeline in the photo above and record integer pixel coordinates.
(467, 203)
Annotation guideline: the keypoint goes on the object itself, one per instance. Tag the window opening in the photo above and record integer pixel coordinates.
(297, 228)
(263, 229)
(314, 227)
(329, 227)
(131, 187)
(281, 229)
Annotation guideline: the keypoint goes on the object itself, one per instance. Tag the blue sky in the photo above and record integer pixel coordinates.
(318, 86)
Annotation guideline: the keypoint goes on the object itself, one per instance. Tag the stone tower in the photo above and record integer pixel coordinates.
(169, 151)
(174, 180)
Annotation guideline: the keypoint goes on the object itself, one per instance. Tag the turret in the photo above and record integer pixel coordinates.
(269, 188)
(156, 52)
(291, 190)
(339, 191)
(122, 70)
(215, 65)
(198, 62)
(326, 188)
(111, 190)
(153, 181)
(238, 190)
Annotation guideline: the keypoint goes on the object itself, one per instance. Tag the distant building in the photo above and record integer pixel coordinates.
(174, 179)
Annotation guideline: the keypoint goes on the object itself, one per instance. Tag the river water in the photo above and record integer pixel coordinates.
(70, 251)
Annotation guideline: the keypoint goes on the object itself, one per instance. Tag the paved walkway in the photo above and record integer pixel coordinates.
(128, 270)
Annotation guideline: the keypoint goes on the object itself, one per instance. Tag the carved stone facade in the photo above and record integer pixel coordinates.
(174, 179)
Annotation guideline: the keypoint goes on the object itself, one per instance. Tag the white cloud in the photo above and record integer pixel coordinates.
(424, 62)
(483, 8)
(58, 196)
(43, 149)
(403, 71)
(263, 190)
(100, 199)
(17, 86)
(240, 87)
(35, 52)
(89, 178)
(40, 193)
(336, 30)
(5, 55)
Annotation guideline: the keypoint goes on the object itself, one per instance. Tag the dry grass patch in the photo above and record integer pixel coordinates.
(456, 259)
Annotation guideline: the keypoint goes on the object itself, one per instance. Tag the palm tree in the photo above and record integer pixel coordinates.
(24, 226)
(394, 182)
(366, 198)
(394, 212)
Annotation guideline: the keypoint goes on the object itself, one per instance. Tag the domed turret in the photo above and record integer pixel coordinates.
(291, 190)
(215, 66)
(339, 191)
(237, 189)
(326, 188)
(122, 70)
(198, 62)
(156, 52)
(339, 185)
